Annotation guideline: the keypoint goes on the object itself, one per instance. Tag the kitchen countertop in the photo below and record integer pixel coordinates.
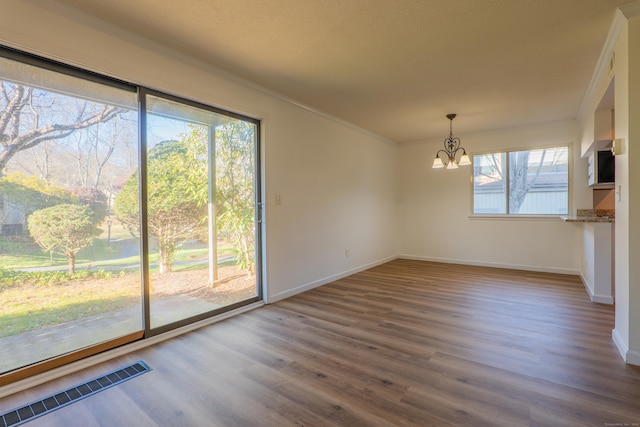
(576, 218)
(591, 215)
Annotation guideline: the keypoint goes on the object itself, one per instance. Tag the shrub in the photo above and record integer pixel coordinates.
(63, 229)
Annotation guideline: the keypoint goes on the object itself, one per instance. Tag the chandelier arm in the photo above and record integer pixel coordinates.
(458, 149)
(443, 151)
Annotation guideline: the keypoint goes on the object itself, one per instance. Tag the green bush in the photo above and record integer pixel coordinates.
(63, 229)
(11, 247)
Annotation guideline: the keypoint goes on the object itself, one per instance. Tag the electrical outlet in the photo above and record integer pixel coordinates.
(346, 253)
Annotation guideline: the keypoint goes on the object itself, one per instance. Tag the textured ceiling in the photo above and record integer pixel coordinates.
(393, 67)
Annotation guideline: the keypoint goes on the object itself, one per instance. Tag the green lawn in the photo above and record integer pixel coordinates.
(48, 298)
(26, 308)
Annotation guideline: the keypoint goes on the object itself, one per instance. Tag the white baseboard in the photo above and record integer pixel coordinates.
(620, 344)
(116, 352)
(633, 357)
(308, 286)
(587, 286)
(492, 264)
(602, 299)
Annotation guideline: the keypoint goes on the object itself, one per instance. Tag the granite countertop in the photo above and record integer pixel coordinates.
(591, 215)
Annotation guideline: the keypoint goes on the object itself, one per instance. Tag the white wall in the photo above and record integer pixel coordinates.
(598, 264)
(435, 207)
(588, 265)
(337, 191)
(336, 182)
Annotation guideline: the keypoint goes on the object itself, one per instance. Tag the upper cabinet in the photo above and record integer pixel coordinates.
(604, 126)
(604, 121)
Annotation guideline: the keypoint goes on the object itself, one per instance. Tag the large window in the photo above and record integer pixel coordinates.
(525, 182)
(124, 213)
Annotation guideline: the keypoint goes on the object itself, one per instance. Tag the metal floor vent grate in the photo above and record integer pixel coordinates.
(21, 415)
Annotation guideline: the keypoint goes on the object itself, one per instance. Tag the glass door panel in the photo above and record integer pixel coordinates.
(69, 267)
(201, 215)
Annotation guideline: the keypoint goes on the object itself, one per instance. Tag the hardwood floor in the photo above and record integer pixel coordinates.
(407, 343)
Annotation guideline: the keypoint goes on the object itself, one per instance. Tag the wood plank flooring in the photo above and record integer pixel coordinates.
(407, 343)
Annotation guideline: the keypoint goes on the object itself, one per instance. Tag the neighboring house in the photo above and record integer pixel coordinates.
(546, 192)
(12, 218)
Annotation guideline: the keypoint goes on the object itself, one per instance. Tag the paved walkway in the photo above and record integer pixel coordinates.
(31, 347)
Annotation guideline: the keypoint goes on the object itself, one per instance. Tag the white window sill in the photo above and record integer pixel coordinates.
(555, 217)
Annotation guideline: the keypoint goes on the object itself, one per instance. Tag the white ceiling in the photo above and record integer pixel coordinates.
(393, 67)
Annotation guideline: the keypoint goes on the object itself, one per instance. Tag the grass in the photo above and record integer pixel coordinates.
(13, 278)
(31, 307)
(37, 299)
(24, 254)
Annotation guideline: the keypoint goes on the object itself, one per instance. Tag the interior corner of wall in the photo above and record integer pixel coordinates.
(622, 346)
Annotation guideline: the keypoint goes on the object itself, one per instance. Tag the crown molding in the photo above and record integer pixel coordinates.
(630, 10)
(619, 20)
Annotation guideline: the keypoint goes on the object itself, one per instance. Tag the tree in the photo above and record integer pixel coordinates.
(30, 116)
(63, 229)
(235, 188)
(174, 213)
(93, 198)
(521, 180)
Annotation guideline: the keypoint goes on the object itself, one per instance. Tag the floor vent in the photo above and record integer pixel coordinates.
(21, 415)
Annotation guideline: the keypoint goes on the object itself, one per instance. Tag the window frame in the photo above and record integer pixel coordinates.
(517, 216)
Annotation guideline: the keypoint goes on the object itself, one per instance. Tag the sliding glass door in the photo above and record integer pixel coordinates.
(124, 213)
(201, 197)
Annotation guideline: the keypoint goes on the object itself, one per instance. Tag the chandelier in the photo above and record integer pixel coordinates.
(451, 149)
